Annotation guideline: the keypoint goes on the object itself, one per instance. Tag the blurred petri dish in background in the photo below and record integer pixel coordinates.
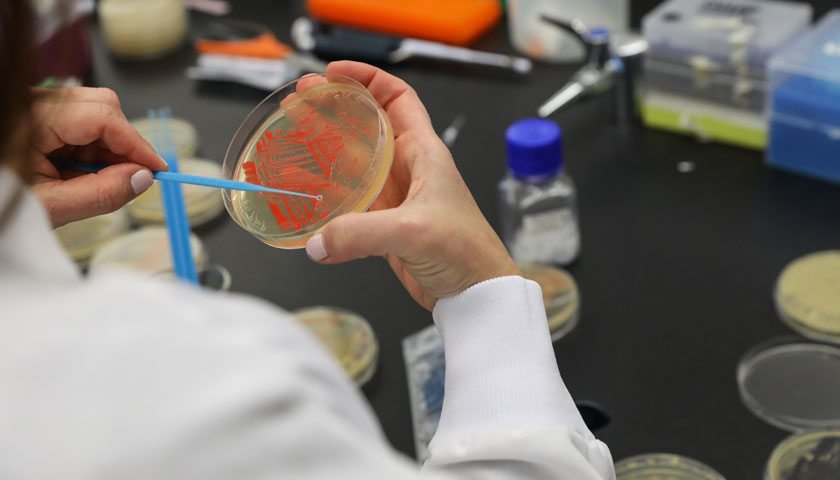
(319, 135)
(145, 251)
(347, 335)
(792, 384)
(81, 239)
(560, 296)
(183, 132)
(808, 295)
(143, 29)
(664, 466)
(212, 277)
(810, 455)
(203, 203)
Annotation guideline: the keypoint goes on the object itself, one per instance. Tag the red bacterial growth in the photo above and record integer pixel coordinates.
(304, 159)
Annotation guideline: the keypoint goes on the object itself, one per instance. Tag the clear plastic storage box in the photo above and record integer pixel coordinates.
(704, 72)
(804, 103)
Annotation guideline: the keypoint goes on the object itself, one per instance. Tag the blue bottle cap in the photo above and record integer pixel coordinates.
(534, 148)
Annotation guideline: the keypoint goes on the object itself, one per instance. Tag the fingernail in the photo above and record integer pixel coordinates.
(315, 248)
(164, 162)
(141, 181)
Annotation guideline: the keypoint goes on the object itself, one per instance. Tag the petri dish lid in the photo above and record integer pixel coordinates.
(203, 203)
(792, 384)
(347, 335)
(560, 296)
(664, 466)
(145, 251)
(810, 455)
(319, 135)
(81, 239)
(808, 295)
(183, 133)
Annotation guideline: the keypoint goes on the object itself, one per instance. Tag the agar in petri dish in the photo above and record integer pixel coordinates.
(347, 335)
(203, 203)
(143, 29)
(81, 239)
(184, 135)
(808, 295)
(560, 296)
(143, 251)
(319, 135)
(810, 455)
(792, 384)
(664, 466)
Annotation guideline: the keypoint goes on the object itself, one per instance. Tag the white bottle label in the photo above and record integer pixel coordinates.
(547, 237)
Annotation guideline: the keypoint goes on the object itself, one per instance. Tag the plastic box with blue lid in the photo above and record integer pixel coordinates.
(704, 72)
(804, 103)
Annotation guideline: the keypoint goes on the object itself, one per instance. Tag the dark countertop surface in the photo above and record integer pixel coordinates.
(676, 273)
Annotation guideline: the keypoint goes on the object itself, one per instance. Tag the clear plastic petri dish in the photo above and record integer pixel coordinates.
(810, 455)
(808, 295)
(81, 239)
(664, 466)
(560, 296)
(184, 135)
(792, 384)
(319, 135)
(203, 203)
(347, 335)
(145, 251)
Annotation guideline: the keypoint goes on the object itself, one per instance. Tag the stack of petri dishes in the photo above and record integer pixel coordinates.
(560, 296)
(183, 133)
(145, 251)
(319, 135)
(143, 29)
(347, 335)
(81, 239)
(203, 203)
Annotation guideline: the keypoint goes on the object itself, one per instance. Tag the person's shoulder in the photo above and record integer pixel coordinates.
(135, 312)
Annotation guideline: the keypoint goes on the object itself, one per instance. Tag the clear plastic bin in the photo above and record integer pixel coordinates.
(715, 53)
(804, 103)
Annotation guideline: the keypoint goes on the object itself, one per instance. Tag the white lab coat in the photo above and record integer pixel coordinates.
(125, 378)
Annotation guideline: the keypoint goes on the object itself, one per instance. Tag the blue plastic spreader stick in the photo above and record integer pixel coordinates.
(193, 180)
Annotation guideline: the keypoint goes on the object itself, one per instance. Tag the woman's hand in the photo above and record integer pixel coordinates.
(425, 222)
(87, 124)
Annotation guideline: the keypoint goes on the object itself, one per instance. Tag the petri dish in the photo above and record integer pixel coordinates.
(560, 296)
(143, 29)
(347, 335)
(183, 133)
(81, 239)
(808, 295)
(664, 466)
(143, 251)
(203, 203)
(810, 455)
(792, 384)
(323, 134)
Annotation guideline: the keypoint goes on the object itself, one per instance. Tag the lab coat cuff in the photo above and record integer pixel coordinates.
(501, 371)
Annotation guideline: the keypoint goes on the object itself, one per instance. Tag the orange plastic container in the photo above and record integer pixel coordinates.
(457, 22)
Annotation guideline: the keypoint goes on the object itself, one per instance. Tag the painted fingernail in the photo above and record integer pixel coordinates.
(141, 181)
(315, 248)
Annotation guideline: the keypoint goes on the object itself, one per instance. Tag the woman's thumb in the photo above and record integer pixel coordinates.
(355, 235)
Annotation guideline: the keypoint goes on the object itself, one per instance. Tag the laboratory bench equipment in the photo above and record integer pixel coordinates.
(677, 277)
(705, 68)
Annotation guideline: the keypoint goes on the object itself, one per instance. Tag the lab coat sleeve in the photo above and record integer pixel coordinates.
(506, 412)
